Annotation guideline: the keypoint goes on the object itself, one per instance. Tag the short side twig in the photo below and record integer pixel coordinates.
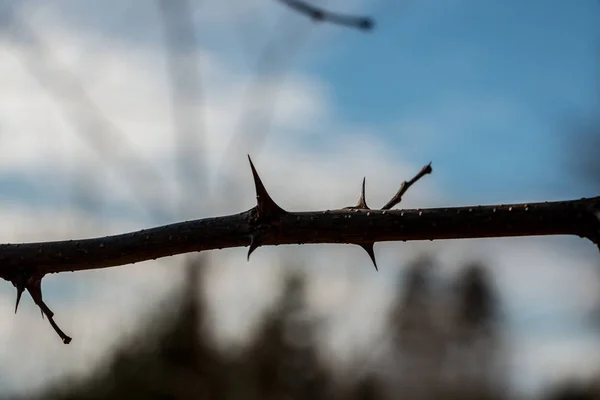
(405, 186)
(32, 281)
(34, 288)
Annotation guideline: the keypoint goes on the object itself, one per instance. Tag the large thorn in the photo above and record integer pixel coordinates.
(266, 207)
(254, 244)
(362, 202)
(368, 247)
(34, 287)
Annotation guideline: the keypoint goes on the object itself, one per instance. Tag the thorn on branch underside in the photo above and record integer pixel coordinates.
(368, 247)
(362, 204)
(33, 283)
(19, 282)
(254, 244)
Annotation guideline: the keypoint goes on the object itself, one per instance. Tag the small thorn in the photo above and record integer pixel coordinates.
(20, 291)
(265, 205)
(368, 247)
(254, 244)
(19, 282)
(362, 202)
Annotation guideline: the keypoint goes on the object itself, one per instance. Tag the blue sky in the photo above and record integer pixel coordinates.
(488, 91)
(500, 82)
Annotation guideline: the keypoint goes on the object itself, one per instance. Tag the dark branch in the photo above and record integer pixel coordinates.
(320, 15)
(268, 224)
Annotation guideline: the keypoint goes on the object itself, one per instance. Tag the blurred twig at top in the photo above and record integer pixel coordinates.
(186, 94)
(320, 15)
(96, 129)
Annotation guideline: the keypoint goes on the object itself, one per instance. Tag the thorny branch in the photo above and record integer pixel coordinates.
(320, 15)
(25, 264)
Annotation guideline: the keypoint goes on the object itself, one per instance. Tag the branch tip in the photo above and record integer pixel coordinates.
(366, 24)
(368, 247)
(265, 206)
(427, 169)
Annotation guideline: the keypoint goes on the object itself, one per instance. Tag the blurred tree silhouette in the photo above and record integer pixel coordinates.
(283, 359)
(368, 388)
(446, 346)
(574, 391)
(417, 338)
(173, 357)
(478, 350)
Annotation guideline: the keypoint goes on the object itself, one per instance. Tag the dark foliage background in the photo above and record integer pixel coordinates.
(446, 342)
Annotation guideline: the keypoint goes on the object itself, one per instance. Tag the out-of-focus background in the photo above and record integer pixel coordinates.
(121, 115)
